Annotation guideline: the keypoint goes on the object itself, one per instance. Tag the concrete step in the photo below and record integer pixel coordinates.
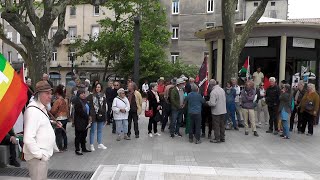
(126, 172)
(179, 172)
(104, 172)
(174, 172)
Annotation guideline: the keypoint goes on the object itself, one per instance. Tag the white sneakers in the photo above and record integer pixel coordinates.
(100, 146)
(92, 147)
(155, 134)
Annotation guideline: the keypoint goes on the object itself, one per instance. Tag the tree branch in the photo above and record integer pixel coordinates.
(32, 13)
(18, 24)
(20, 50)
(252, 21)
(61, 32)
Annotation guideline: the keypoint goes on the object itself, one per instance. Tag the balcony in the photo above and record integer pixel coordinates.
(68, 41)
(79, 64)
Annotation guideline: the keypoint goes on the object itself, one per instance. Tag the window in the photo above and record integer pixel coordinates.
(255, 4)
(273, 14)
(175, 32)
(273, 3)
(96, 10)
(95, 32)
(72, 32)
(73, 11)
(238, 5)
(54, 54)
(9, 57)
(18, 38)
(209, 24)
(175, 7)
(9, 36)
(174, 57)
(19, 57)
(210, 6)
(53, 31)
(72, 53)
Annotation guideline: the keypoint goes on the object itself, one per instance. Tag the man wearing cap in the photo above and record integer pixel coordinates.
(39, 137)
(177, 101)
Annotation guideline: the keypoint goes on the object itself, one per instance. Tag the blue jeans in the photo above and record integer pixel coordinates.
(176, 119)
(99, 126)
(231, 110)
(285, 128)
(121, 126)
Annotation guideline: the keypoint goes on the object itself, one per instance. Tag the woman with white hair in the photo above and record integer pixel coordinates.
(154, 104)
(309, 107)
(120, 108)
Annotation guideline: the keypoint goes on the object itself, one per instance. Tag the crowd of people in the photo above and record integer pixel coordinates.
(172, 104)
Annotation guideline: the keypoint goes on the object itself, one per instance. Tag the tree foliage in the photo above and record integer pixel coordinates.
(115, 43)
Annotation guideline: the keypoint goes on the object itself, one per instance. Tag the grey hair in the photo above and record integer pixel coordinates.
(121, 90)
(272, 79)
(153, 84)
(191, 79)
(213, 82)
(311, 86)
(194, 88)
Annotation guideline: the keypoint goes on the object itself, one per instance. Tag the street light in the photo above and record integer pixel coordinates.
(136, 49)
(72, 58)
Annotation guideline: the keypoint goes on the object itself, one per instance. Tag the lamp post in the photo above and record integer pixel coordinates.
(72, 58)
(136, 49)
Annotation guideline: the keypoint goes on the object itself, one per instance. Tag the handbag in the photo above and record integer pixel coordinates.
(157, 117)
(148, 112)
(309, 106)
(100, 116)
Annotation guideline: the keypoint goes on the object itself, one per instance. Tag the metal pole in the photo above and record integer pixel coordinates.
(71, 56)
(136, 50)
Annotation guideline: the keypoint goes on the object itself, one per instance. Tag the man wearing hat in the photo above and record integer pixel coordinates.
(39, 137)
(177, 101)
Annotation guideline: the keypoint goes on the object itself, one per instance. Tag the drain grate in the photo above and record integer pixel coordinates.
(52, 174)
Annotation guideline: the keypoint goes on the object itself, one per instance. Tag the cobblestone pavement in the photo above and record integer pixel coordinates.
(300, 153)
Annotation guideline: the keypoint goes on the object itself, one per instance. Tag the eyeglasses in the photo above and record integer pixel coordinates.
(261, 85)
(116, 85)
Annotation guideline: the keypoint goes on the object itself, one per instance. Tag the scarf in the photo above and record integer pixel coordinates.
(97, 99)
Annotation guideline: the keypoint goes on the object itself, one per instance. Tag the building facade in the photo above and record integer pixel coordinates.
(185, 17)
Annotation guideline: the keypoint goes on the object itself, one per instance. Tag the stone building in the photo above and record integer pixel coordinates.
(185, 17)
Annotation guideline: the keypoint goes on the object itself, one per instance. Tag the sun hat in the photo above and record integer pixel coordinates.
(180, 81)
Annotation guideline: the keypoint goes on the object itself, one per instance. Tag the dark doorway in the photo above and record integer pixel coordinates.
(269, 66)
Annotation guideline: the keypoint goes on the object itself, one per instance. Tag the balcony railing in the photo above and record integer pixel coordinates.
(77, 63)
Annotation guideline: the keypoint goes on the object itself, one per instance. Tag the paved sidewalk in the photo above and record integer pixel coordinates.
(300, 153)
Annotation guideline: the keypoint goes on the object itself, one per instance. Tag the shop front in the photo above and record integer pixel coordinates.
(283, 49)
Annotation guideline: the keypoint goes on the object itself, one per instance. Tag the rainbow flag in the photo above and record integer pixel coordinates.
(13, 96)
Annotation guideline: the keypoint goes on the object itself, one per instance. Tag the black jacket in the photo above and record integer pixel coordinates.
(111, 94)
(81, 118)
(153, 104)
(272, 96)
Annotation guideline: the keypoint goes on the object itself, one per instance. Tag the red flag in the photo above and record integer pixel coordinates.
(21, 74)
(202, 77)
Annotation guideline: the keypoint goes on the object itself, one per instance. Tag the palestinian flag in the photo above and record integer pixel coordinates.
(202, 77)
(245, 70)
(13, 96)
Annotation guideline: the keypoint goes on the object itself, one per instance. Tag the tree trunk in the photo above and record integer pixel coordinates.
(39, 54)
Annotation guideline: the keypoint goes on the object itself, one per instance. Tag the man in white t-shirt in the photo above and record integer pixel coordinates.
(258, 77)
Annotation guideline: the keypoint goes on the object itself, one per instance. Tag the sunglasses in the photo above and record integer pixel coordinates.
(261, 85)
